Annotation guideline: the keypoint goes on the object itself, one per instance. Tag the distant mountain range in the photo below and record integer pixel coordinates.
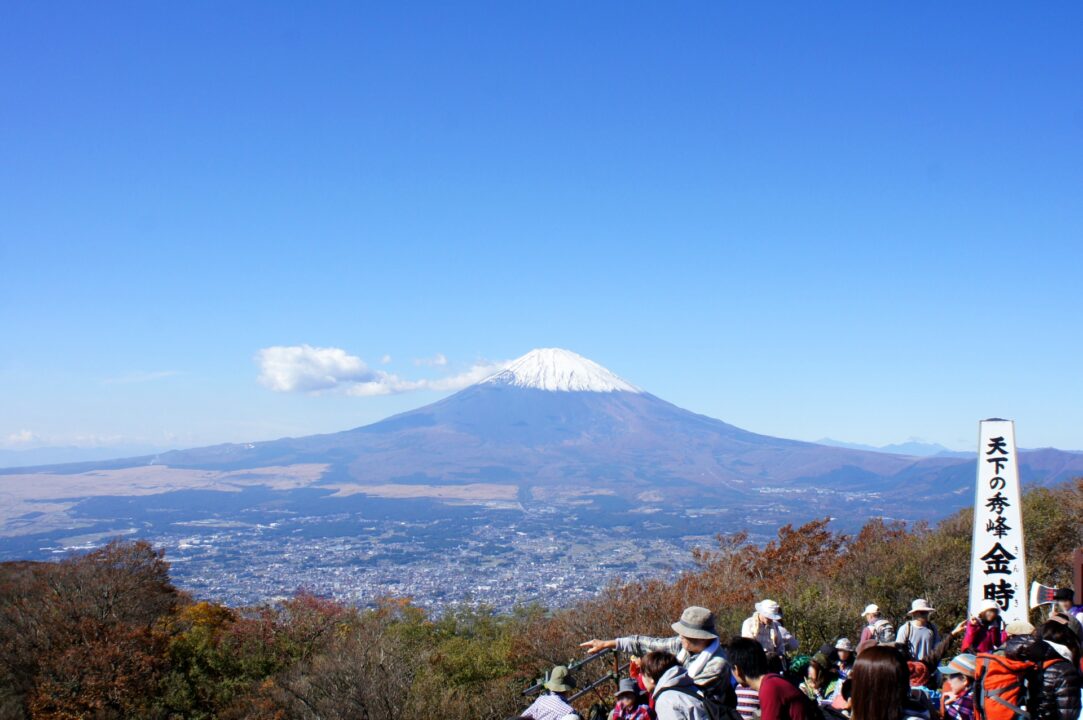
(915, 448)
(59, 454)
(554, 426)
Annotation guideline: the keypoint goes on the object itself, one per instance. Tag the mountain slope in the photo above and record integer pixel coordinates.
(554, 423)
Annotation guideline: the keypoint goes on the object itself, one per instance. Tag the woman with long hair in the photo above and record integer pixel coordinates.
(881, 687)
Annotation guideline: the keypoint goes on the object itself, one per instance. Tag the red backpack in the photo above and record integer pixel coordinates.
(998, 687)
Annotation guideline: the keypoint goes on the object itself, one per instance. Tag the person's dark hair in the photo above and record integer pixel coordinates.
(825, 673)
(654, 664)
(774, 663)
(1061, 634)
(748, 657)
(881, 685)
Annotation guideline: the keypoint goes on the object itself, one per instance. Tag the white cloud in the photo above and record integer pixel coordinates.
(385, 360)
(437, 360)
(475, 374)
(20, 437)
(303, 368)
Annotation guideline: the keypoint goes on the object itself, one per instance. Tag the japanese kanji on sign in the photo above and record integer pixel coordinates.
(998, 569)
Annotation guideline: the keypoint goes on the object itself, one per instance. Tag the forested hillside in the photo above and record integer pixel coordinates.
(107, 635)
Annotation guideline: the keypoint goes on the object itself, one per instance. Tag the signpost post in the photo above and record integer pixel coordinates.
(998, 569)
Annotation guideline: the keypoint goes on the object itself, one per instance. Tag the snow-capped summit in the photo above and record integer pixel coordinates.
(560, 371)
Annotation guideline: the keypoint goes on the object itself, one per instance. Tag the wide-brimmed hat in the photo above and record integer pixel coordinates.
(559, 681)
(871, 609)
(964, 664)
(921, 605)
(844, 644)
(769, 609)
(627, 686)
(988, 605)
(696, 623)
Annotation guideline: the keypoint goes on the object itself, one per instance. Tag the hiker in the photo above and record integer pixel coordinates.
(748, 702)
(880, 687)
(918, 635)
(779, 700)
(696, 647)
(553, 705)
(876, 627)
(1008, 680)
(1060, 680)
(820, 680)
(764, 627)
(1064, 607)
(957, 702)
(984, 633)
(676, 696)
(844, 650)
(627, 705)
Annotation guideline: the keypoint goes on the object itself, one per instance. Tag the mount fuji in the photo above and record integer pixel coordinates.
(541, 482)
(555, 427)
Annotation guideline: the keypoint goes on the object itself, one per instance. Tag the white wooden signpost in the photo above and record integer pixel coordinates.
(998, 569)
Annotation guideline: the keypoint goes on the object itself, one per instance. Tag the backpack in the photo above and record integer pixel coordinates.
(712, 703)
(998, 687)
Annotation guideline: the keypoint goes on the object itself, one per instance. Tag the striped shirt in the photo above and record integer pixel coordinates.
(748, 703)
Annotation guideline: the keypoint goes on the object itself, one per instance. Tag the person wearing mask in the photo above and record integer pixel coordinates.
(984, 633)
(779, 700)
(676, 696)
(880, 687)
(876, 627)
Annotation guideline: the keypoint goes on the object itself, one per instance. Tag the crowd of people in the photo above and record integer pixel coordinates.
(1003, 671)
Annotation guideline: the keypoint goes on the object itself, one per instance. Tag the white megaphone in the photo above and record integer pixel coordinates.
(1041, 595)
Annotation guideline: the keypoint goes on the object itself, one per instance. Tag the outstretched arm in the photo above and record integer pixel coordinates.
(596, 646)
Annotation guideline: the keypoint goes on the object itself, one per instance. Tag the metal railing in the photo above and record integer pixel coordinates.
(613, 676)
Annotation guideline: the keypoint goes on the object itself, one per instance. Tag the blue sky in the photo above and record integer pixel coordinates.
(807, 220)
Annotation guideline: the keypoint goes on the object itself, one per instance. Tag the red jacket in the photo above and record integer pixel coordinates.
(983, 637)
(779, 700)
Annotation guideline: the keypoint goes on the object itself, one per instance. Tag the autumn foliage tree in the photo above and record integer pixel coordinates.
(106, 635)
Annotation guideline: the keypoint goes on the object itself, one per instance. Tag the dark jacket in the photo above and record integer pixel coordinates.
(1060, 683)
(1053, 688)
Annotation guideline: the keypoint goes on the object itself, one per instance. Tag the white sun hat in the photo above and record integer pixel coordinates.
(921, 605)
(769, 609)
